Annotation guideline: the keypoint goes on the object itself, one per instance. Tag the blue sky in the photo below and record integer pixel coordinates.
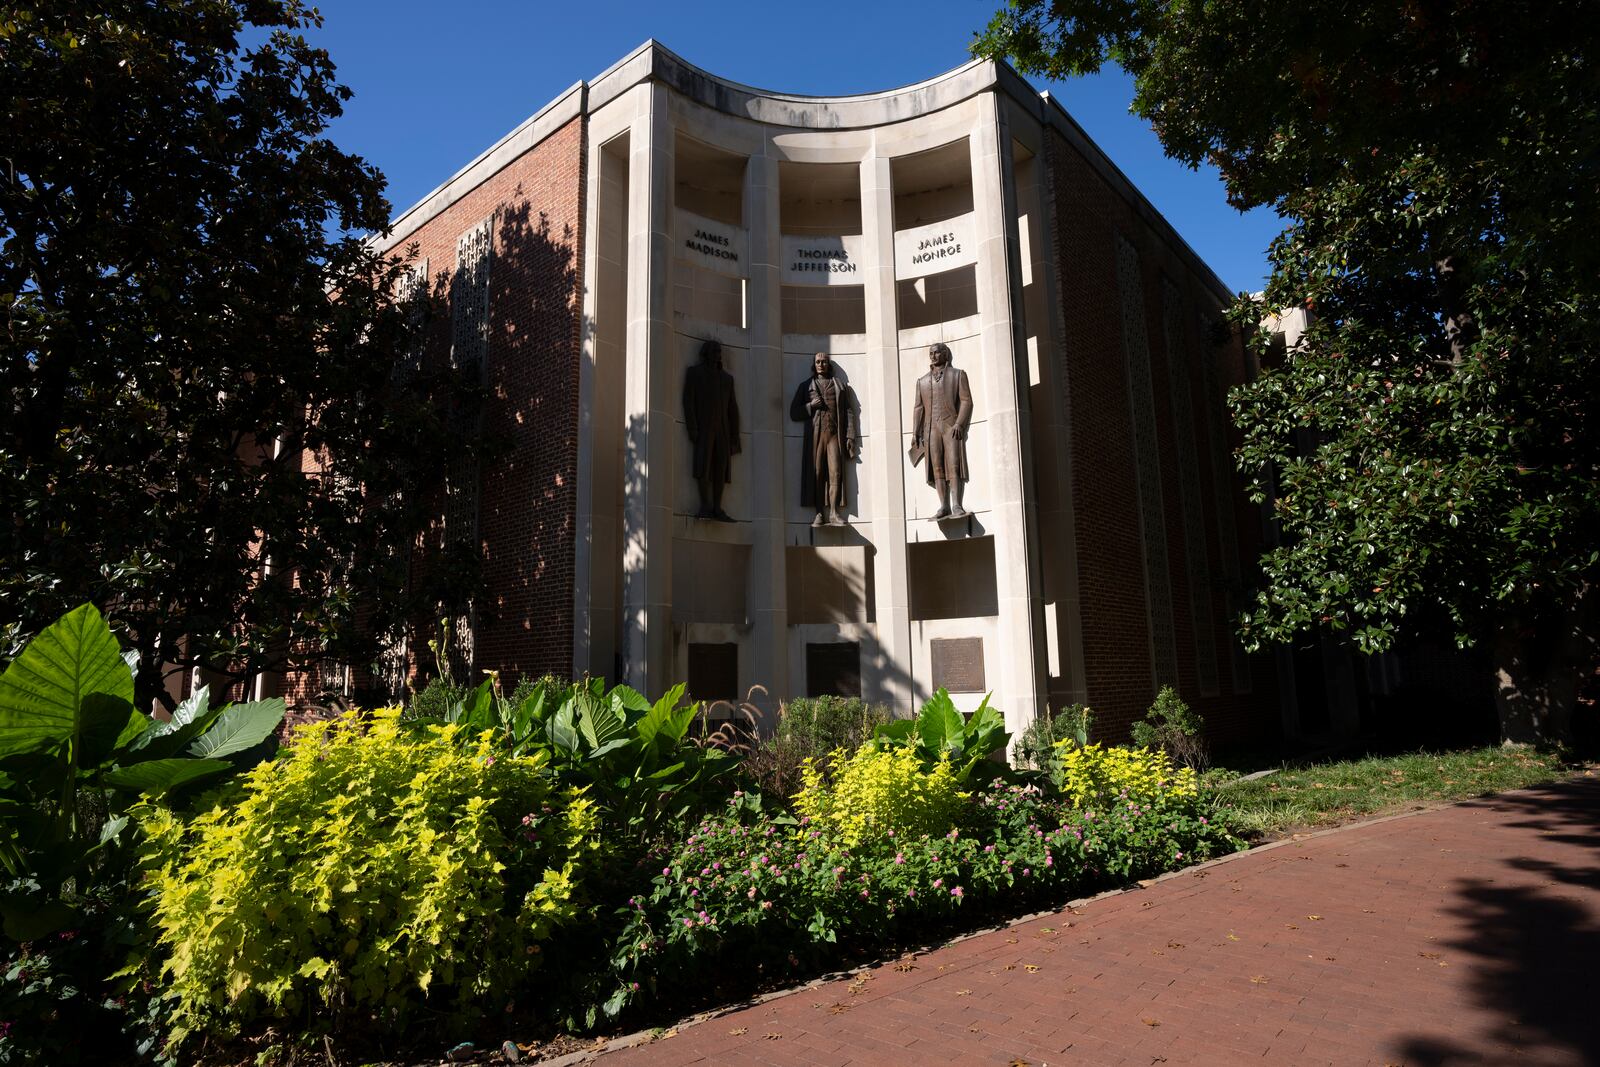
(437, 83)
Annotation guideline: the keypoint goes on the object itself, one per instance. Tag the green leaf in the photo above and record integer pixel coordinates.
(27, 918)
(941, 726)
(598, 723)
(630, 698)
(562, 728)
(193, 705)
(659, 720)
(138, 722)
(240, 726)
(102, 720)
(44, 687)
(158, 776)
(899, 731)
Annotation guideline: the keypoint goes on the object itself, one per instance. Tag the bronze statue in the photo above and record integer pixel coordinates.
(711, 414)
(939, 419)
(827, 407)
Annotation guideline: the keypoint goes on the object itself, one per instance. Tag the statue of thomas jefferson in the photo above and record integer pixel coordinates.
(711, 415)
(827, 407)
(940, 415)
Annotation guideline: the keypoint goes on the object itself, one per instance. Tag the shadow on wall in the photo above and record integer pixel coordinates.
(1534, 949)
(527, 492)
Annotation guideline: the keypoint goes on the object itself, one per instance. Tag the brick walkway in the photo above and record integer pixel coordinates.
(1469, 934)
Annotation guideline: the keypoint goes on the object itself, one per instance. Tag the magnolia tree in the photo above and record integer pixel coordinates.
(205, 435)
(1430, 447)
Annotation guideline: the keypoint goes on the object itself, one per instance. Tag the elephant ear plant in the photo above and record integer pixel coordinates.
(941, 733)
(75, 754)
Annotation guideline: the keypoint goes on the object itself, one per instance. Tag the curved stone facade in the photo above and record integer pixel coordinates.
(1097, 557)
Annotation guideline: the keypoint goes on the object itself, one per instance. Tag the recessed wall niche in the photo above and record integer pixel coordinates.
(710, 239)
(819, 213)
(952, 579)
(935, 236)
(829, 584)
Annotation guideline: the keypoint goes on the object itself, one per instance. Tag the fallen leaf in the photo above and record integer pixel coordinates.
(773, 1037)
(1047, 929)
(1232, 936)
(1020, 1063)
(838, 1009)
(1258, 979)
(1330, 959)
(1290, 926)
(1367, 910)
(905, 965)
(1011, 941)
(1011, 966)
(1314, 918)
(963, 992)
(1174, 944)
(1341, 865)
(739, 1031)
(1429, 955)
(1031, 967)
(1151, 1022)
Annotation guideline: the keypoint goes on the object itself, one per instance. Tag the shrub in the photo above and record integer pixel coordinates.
(1036, 746)
(1098, 777)
(370, 869)
(1171, 726)
(820, 725)
(876, 793)
(745, 896)
(810, 728)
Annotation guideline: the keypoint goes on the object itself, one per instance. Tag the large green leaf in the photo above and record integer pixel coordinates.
(103, 720)
(197, 703)
(941, 725)
(659, 726)
(630, 698)
(43, 688)
(562, 729)
(240, 726)
(599, 722)
(158, 776)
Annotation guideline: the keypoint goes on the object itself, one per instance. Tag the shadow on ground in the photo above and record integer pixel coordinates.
(1533, 948)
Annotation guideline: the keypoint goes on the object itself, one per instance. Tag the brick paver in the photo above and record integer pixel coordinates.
(1461, 935)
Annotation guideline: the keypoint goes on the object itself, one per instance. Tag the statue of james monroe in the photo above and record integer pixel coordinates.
(939, 419)
(825, 404)
(711, 414)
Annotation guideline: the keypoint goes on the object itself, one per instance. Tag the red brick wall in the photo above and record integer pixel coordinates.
(527, 493)
(1088, 215)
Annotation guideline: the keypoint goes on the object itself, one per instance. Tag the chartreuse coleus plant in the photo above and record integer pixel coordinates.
(372, 871)
(75, 753)
(1095, 776)
(880, 792)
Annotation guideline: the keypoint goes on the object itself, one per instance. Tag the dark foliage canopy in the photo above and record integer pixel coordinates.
(190, 312)
(1430, 448)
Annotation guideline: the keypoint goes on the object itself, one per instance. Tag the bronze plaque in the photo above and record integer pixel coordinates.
(958, 664)
(713, 671)
(833, 669)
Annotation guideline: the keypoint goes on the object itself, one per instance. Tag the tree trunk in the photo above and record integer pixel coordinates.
(1540, 667)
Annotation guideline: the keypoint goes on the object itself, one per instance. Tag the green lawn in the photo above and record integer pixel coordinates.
(1327, 793)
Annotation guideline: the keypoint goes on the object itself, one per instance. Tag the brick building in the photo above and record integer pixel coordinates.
(590, 254)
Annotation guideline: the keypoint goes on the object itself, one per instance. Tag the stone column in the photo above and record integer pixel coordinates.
(1022, 652)
(652, 393)
(768, 646)
(891, 666)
